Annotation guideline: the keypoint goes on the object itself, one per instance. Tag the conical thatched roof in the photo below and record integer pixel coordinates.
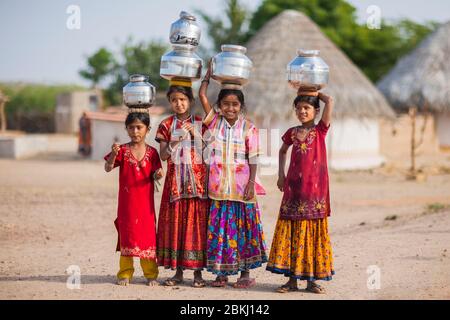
(422, 78)
(276, 44)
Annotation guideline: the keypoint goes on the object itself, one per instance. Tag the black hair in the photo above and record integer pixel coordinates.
(228, 92)
(314, 101)
(141, 116)
(187, 91)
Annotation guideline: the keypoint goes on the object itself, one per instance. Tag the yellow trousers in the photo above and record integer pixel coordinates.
(149, 267)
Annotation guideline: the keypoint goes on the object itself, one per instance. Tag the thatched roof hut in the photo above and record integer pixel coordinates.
(422, 78)
(276, 44)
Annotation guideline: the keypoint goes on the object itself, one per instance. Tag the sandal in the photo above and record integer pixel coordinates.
(123, 281)
(173, 282)
(286, 288)
(244, 283)
(315, 288)
(220, 282)
(199, 283)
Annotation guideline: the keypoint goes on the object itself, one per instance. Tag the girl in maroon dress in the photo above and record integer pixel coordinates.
(183, 215)
(301, 248)
(139, 167)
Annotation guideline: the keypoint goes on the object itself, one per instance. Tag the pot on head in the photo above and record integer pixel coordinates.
(181, 63)
(307, 71)
(231, 66)
(138, 92)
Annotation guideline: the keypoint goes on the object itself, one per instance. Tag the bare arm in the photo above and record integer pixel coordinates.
(249, 192)
(164, 151)
(328, 109)
(203, 91)
(281, 166)
(109, 164)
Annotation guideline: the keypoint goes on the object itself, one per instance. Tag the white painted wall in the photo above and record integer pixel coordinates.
(17, 147)
(354, 144)
(104, 132)
(351, 144)
(443, 129)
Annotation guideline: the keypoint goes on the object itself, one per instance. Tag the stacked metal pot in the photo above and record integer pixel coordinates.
(307, 71)
(182, 63)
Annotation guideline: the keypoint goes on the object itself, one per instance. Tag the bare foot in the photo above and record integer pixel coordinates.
(152, 282)
(176, 279)
(315, 288)
(123, 282)
(221, 281)
(198, 280)
(289, 286)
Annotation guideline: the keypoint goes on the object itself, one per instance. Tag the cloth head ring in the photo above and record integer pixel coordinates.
(308, 93)
(137, 110)
(181, 82)
(231, 86)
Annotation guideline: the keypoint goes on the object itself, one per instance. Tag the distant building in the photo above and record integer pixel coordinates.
(421, 80)
(109, 126)
(70, 107)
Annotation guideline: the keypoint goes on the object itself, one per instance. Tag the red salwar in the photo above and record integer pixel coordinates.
(183, 215)
(136, 222)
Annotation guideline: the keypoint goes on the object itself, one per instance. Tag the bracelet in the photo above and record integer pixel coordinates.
(205, 80)
(169, 148)
(249, 180)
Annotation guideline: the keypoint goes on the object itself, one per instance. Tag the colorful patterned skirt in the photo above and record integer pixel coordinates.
(302, 249)
(235, 238)
(181, 239)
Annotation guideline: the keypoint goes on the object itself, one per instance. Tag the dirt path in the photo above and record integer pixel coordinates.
(57, 211)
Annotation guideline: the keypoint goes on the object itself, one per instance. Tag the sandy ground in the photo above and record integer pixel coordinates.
(57, 210)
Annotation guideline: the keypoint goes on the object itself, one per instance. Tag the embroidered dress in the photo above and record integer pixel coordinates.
(301, 246)
(183, 214)
(135, 221)
(306, 192)
(228, 152)
(235, 235)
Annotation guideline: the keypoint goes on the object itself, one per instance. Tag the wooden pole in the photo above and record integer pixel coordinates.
(3, 100)
(412, 115)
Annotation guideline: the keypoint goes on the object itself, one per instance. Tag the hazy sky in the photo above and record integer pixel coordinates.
(37, 46)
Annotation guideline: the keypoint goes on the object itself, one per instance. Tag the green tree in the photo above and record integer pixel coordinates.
(231, 30)
(142, 58)
(99, 65)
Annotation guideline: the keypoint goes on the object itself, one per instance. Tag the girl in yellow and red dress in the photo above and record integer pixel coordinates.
(183, 215)
(301, 248)
(139, 166)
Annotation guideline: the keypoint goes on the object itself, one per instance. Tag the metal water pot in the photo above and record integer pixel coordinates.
(307, 71)
(182, 62)
(138, 92)
(185, 30)
(231, 66)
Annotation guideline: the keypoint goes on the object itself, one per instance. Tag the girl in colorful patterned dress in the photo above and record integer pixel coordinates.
(183, 214)
(235, 235)
(139, 167)
(301, 247)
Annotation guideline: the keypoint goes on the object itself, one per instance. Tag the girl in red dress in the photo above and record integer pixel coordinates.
(139, 166)
(301, 248)
(183, 215)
